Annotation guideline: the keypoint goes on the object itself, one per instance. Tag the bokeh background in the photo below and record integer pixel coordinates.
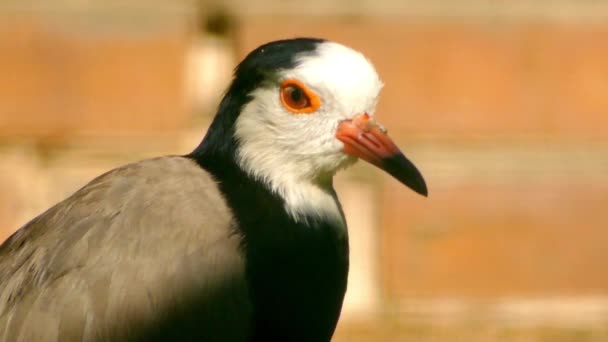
(503, 105)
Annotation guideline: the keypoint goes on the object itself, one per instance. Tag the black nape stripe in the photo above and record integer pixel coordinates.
(261, 65)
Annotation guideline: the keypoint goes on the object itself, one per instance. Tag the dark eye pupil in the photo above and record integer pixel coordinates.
(296, 94)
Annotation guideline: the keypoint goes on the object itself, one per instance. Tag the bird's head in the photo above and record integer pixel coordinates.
(299, 110)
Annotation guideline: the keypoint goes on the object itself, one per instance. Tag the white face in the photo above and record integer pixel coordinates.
(284, 148)
(274, 139)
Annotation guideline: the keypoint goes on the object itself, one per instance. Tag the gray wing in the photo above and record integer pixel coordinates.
(147, 251)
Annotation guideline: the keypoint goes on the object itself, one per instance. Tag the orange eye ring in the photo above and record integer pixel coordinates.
(297, 98)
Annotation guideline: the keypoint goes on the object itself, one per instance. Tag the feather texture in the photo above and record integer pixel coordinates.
(147, 251)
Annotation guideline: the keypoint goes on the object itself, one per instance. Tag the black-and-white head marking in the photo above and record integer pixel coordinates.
(295, 155)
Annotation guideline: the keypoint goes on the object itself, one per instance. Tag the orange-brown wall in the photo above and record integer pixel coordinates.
(507, 119)
(61, 82)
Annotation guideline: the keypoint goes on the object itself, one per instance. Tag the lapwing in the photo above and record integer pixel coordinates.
(243, 239)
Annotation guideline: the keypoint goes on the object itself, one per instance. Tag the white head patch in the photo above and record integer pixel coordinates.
(297, 154)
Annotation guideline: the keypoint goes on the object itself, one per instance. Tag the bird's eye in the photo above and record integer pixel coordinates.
(297, 98)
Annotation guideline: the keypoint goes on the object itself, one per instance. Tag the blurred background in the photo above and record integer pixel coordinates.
(503, 105)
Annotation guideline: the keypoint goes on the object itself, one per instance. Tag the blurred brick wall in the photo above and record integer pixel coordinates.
(62, 80)
(506, 118)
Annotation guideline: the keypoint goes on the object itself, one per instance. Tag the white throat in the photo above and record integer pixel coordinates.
(305, 201)
(306, 196)
(288, 172)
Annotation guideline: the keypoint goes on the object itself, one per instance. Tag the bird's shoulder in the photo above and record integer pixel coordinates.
(92, 242)
(140, 195)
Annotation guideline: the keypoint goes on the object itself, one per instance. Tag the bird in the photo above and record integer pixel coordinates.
(242, 239)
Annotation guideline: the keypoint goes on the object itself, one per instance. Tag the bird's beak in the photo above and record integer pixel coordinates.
(364, 138)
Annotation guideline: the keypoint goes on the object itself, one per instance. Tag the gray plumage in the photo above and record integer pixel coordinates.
(49, 295)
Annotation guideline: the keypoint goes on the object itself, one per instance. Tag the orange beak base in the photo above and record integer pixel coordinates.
(364, 138)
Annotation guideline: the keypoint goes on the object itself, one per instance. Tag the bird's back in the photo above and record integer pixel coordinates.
(81, 271)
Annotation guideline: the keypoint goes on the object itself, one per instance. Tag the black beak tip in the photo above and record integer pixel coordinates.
(421, 188)
(406, 172)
